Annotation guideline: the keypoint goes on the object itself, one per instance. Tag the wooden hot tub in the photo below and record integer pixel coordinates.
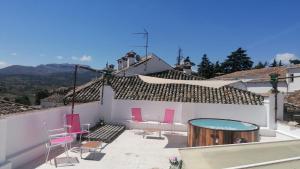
(209, 131)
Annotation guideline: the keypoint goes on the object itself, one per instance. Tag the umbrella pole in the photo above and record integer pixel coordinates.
(74, 87)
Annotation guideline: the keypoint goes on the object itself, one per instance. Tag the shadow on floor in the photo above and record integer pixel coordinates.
(65, 161)
(94, 156)
(175, 140)
(54, 153)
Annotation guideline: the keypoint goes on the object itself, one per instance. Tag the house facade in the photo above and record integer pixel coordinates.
(132, 64)
(189, 98)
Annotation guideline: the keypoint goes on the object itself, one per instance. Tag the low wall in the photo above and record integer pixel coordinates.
(26, 134)
(154, 111)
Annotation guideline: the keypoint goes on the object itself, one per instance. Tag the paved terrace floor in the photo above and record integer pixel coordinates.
(129, 151)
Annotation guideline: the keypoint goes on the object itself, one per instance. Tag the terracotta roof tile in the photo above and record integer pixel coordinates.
(133, 88)
(7, 107)
(257, 74)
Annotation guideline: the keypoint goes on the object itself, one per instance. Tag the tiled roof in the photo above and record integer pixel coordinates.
(257, 75)
(133, 88)
(55, 98)
(175, 74)
(293, 98)
(7, 107)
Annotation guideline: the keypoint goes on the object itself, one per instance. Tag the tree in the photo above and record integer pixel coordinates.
(206, 68)
(280, 64)
(260, 65)
(217, 68)
(23, 100)
(295, 61)
(41, 94)
(274, 63)
(237, 61)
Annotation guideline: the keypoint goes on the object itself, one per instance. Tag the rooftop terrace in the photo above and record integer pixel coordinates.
(130, 151)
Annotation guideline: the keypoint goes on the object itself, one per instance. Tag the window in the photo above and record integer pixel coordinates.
(291, 78)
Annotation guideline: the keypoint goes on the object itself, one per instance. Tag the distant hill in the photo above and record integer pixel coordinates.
(37, 70)
(19, 80)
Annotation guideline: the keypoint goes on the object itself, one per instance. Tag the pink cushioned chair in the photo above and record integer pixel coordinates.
(136, 114)
(169, 117)
(57, 137)
(74, 126)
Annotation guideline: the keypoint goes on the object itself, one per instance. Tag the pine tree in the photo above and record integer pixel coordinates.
(217, 68)
(280, 64)
(295, 61)
(274, 64)
(205, 68)
(260, 65)
(237, 61)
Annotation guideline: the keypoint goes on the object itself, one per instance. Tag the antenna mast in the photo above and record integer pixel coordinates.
(146, 36)
(179, 56)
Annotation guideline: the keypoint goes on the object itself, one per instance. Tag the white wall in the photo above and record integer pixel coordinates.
(154, 111)
(26, 135)
(265, 87)
(296, 84)
(151, 111)
(153, 65)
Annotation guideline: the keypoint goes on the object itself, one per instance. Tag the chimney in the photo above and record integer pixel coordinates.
(187, 70)
(120, 64)
(130, 58)
(124, 62)
(187, 66)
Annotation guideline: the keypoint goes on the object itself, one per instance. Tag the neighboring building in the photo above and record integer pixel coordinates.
(293, 82)
(190, 99)
(55, 99)
(185, 66)
(258, 80)
(132, 64)
(7, 108)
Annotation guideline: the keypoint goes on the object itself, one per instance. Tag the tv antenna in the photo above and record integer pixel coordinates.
(179, 57)
(146, 35)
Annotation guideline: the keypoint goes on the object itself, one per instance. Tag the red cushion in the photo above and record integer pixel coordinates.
(62, 140)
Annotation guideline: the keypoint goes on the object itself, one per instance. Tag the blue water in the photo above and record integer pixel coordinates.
(219, 124)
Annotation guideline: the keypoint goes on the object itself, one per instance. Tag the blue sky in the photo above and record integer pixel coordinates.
(93, 32)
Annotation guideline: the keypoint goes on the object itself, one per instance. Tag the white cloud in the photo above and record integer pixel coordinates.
(285, 57)
(59, 57)
(3, 64)
(74, 58)
(85, 58)
(13, 54)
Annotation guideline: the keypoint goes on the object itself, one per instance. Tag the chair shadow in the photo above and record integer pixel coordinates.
(66, 161)
(94, 156)
(176, 140)
(55, 152)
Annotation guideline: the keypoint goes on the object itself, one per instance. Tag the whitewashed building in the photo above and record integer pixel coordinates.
(132, 64)
(258, 80)
(189, 98)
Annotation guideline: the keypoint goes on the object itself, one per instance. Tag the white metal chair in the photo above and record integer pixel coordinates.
(58, 137)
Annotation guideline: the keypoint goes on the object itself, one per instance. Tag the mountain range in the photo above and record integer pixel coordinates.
(37, 70)
(17, 80)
